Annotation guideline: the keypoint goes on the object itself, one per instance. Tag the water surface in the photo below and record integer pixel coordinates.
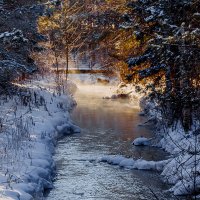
(108, 128)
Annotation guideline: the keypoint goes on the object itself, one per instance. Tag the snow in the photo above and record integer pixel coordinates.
(130, 163)
(182, 170)
(130, 91)
(10, 69)
(141, 141)
(27, 166)
(29, 130)
(16, 34)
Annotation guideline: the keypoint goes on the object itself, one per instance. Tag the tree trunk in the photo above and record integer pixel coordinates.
(56, 59)
(185, 88)
(67, 60)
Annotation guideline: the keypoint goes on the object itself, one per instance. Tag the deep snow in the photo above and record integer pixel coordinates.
(31, 123)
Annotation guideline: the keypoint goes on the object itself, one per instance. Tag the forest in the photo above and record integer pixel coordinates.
(153, 44)
(151, 47)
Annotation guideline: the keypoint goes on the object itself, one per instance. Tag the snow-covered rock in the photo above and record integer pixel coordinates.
(114, 96)
(141, 141)
(67, 129)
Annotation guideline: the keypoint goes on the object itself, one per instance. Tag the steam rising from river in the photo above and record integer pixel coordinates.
(100, 93)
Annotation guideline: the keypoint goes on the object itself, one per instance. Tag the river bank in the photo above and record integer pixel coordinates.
(32, 121)
(181, 172)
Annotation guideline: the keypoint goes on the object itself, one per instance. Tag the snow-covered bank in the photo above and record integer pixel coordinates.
(130, 163)
(31, 121)
(182, 169)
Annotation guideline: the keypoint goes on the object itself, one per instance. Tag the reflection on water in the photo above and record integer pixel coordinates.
(108, 127)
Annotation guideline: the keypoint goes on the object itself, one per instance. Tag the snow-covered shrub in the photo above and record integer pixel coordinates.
(13, 37)
(10, 69)
(141, 141)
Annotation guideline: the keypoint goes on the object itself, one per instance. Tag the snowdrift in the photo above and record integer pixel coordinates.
(33, 120)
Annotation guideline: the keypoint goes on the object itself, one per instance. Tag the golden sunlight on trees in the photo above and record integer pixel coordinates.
(64, 25)
(143, 41)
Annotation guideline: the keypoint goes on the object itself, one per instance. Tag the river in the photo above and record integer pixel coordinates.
(108, 128)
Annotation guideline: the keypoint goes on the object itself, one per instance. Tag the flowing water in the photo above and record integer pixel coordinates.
(108, 128)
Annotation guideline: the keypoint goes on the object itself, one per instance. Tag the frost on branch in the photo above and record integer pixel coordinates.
(151, 70)
(13, 36)
(132, 62)
(10, 70)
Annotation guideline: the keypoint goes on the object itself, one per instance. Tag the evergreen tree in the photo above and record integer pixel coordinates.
(173, 54)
